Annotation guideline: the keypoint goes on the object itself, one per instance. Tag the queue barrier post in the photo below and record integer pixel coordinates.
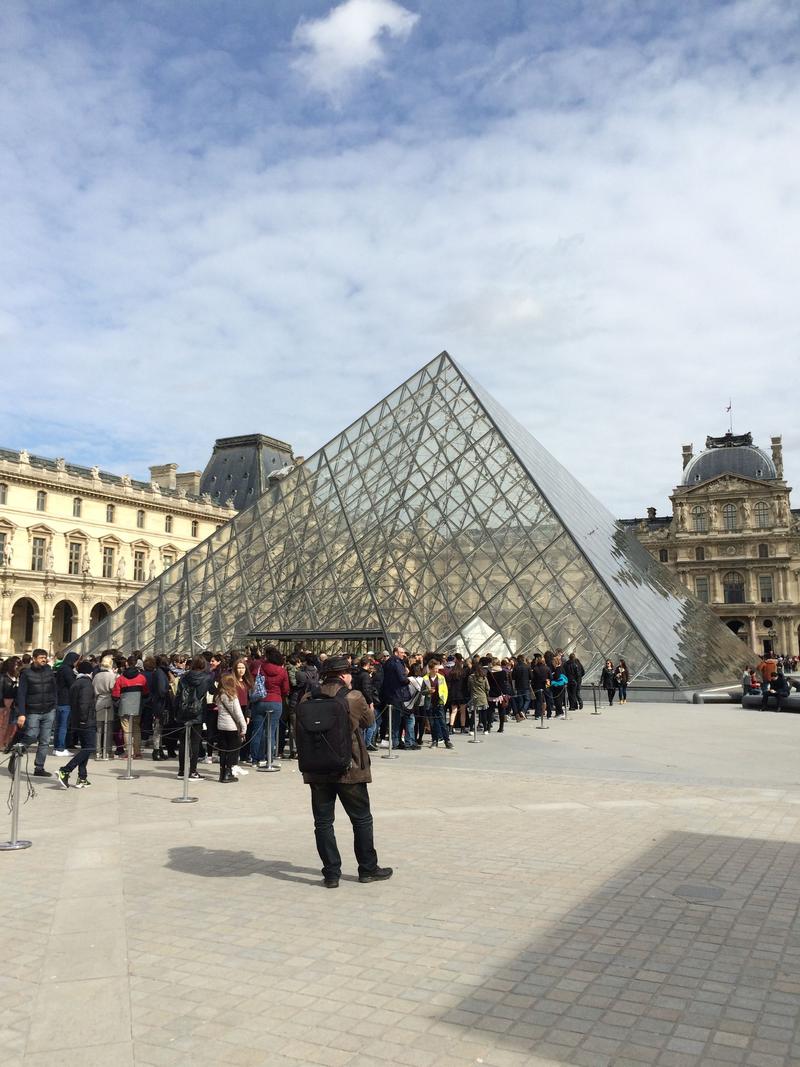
(184, 798)
(390, 754)
(594, 698)
(14, 844)
(475, 740)
(129, 776)
(270, 767)
(543, 724)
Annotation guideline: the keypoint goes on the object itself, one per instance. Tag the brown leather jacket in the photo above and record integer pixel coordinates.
(360, 716)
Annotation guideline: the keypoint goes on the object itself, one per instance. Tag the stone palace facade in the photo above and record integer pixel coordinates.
(733, 539)
(76, 542)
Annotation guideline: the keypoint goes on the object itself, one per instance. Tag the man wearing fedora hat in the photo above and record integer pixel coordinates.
(350, 787)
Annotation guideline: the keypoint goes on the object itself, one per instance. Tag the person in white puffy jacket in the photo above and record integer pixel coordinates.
(231, 728)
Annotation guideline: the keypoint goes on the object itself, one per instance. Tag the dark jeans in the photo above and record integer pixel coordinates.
(194, 746)
(543, 697)
(210, 722)
(355, 801)
(779, 699)
(610, 696)
(574, 695)
(522, 702)
(439, 730)
(228, 748)
(88, 742)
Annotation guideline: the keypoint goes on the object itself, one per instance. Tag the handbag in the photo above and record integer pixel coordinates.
(258, 690)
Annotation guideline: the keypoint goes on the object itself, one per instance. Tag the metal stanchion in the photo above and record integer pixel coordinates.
(185, 798)
(475, 740)
(15, 843)
(594, 698)
(269, 766)
(129, 776)
(390, 754)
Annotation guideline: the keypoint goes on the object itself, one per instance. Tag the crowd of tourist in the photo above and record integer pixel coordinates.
(240, 705)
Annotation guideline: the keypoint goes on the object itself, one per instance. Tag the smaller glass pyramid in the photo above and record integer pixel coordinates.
(438, 519)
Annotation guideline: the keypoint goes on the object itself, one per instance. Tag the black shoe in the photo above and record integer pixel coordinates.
(331, 883)
(40, 772)
(372, 748)
(449, 744)
(228, 778)
(63, 778)
(380, 874)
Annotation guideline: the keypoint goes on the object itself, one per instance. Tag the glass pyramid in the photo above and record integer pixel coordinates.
(438, 519)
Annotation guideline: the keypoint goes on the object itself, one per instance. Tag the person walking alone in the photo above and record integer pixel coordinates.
(83, 720)
(349, 787)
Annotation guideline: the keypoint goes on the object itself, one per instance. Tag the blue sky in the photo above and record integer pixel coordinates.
(223, 217)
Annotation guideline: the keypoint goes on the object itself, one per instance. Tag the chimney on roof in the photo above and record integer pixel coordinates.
(163, 474)
(190, 481)
(651, 514)
(777, 455)
(687, 456)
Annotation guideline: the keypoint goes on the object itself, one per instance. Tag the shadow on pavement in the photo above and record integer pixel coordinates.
(224, 863)
(689, 956)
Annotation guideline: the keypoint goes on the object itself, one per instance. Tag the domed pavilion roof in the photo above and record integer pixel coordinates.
(732, 454)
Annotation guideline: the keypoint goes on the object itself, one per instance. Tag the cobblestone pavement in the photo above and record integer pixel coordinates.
(616, 890)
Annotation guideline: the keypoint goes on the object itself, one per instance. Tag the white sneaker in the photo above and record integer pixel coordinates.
(384, 744)
(262, 763)
(237, 770)
(61, 752)
(207, 759)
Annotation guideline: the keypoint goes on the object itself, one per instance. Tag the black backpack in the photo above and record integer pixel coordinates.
(188, 705)
(323, 734)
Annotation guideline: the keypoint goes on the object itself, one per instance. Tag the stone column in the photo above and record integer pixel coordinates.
(6, 600)
(752, 624)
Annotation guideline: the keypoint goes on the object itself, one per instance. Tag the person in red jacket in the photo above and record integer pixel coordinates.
(266, 713)
(130, 689)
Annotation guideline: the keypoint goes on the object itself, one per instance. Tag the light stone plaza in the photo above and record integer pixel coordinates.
(399, 572)
(619, 889)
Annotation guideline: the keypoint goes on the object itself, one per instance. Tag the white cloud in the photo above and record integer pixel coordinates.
(349, 40)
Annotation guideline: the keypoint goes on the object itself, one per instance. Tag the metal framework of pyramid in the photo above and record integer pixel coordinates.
(439, 520)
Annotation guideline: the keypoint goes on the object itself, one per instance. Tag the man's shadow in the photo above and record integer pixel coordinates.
(224, 863)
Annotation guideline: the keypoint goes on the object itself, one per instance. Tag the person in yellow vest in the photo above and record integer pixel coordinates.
(434, 688)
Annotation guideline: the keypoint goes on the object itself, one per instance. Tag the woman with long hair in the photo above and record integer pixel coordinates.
(9, 673)
(478, 689)
(457, 687)
(608, 681)
(244, 683)
(231, 726)
(622, 677)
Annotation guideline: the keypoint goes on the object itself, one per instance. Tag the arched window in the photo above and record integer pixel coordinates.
(167, 524)
(41, 500)
(77, 507)
(109, 512)
(763, 551)
(730, 517)
(733, 588)
(195, 527)
(700, 553)
(699, 519)
(3, 493)
(663, 555)
(761, 512)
